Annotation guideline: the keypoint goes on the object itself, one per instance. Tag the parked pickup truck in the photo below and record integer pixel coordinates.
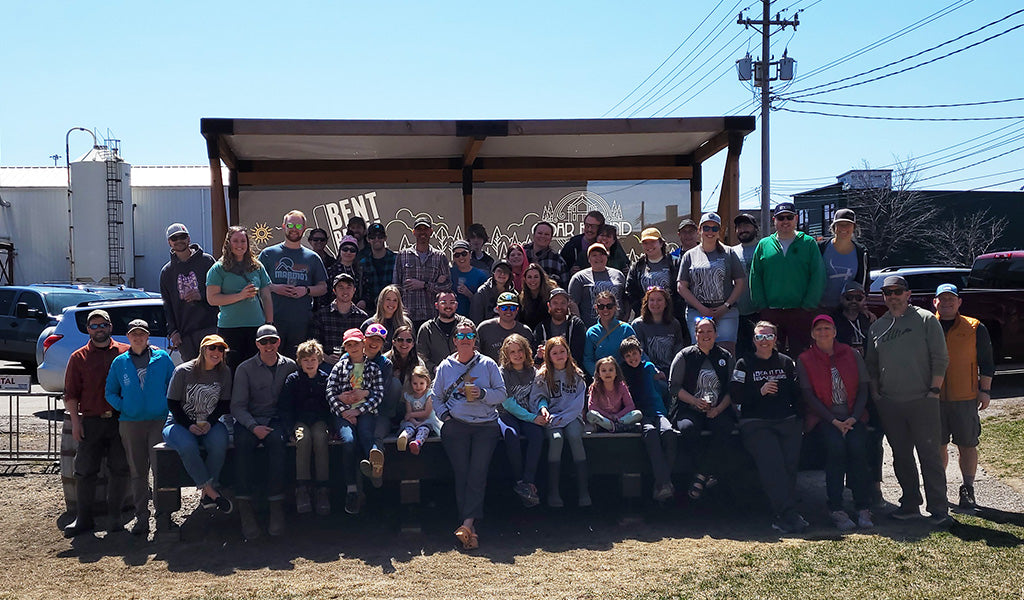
(993, 293)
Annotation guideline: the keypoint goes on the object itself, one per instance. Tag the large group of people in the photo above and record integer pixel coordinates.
(536, 347)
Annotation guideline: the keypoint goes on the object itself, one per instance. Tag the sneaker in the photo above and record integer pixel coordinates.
(905, 512)
(376, 467)
(797, 523)
(414, 447)
(323, 501)
(940, 520)
(782, 525)
(141, 526)
(842, 520)
(352, 503)
(224, 505)
(523, 491)
(403, 440)
(864, 519)
(664, 493)
(302, 503)
(967, 500)
(207, 502)
(600, 420)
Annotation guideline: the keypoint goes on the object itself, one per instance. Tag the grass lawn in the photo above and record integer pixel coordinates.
(1002, 443)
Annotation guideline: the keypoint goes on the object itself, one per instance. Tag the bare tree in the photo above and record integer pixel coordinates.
(961, 238)
(890, 219)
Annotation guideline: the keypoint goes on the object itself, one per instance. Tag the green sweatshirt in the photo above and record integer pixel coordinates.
(903, 354)
(794, 279)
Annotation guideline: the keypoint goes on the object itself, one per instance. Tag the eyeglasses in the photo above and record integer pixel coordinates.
(460, 254)
(318, 240)
(764, 337)
(403, 340)
(348, 249)
(267, 341)
(465, 336)
(95, 326)
(508, 308)
(853, 297)
(294, 226)
(606, 306)
(217, 348)
(712, 228)
(893, 292)
(178, 237)
(785, 217)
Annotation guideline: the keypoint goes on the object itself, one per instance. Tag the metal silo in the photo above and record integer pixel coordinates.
(101, 218)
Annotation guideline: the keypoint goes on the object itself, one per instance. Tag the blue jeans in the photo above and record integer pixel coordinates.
(187, 444)
(347, 437)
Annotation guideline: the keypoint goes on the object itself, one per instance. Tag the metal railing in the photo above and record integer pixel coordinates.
(18, 448)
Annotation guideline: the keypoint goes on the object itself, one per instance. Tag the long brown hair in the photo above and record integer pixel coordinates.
(645, 313)
(512, 340)
(547, 370)
(227, 259)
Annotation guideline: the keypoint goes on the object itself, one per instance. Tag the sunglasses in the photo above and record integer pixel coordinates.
(178, 237)
(95, 326)
(465, 336)
(318, 240)
(217, 348)
(294, 226)
(349, 249)
(460, 254)
(605, 306)
(711, 228)
(764, 337)
(893, 292)
(267, 341)
(403, 340)
(785, 217)
(853, 297)
(508, 308)
(375, 236)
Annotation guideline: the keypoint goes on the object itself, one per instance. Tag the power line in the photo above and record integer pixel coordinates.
(875, 118)
(958, 104)
(1017, 149)
(981, 176)
(804, 92)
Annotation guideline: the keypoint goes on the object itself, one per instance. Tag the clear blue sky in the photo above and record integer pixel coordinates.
(148, 74)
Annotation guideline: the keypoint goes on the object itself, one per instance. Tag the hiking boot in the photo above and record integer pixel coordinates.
(323, 501)
(352, 503)
(403, 440)
(207, 502)
(782, 524)
(940, 520)
(79, 526)
(302, 503)
(276, 526)
(250, 527)
(967, 500)
(905, 512)
(864, 519)
(600, 420)
(842, 520)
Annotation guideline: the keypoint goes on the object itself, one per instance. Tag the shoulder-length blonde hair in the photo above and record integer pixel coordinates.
(547, 370)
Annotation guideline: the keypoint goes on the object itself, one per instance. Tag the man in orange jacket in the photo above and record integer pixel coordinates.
(967, 386)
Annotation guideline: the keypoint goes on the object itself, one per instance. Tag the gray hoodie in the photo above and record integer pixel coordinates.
(903, 354)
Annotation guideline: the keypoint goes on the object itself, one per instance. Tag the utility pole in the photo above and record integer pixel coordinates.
(763, 79)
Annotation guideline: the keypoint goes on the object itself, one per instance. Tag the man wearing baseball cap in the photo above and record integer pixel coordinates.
(787, 278)
(137, 388)
(587, 283)
(254, 405)
(465, 278)
(422, 271)
(331, 322)
(689, 237)
(378, 266)
(94, 424)
(561, 322)
(492, 332)
(906, 358)
(189, 316)
(967, 387)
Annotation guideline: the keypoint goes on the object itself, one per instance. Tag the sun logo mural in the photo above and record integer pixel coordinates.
(260, 233)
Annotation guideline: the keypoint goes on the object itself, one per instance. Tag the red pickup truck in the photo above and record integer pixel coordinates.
(992, 291)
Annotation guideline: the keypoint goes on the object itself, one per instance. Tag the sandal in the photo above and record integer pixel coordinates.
(467, 538)
(697, 487)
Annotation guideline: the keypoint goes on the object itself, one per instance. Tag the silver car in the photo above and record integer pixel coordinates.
(57, 343)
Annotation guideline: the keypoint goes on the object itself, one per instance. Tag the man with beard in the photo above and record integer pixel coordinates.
(575, 251)
(561, 322)
(746, 230)
(189, 316)
(422, 271)
(297, 275)
(357, 228)
(95, 425)
(378, 266)
(434, 338)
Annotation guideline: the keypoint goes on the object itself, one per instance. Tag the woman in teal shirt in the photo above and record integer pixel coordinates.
(240, 286)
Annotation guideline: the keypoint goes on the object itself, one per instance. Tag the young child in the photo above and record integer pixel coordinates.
(609, 404)
(420, 420)
(306, 415)
(560, 387)
(656, 431)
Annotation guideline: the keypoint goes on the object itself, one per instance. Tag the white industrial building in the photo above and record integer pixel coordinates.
(93, 236)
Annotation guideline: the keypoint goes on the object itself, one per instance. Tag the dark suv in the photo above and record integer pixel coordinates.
(26, 310)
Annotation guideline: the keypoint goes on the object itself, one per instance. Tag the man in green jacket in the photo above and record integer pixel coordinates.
(787, 279)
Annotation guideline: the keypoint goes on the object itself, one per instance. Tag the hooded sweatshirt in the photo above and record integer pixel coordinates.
(176, 278)
(905, 353)
(565, 402)
(484, 374)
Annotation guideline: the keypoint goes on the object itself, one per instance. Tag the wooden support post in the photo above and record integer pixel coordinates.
(696, 185)
(218, 206)
(729, 197)
(467, 198)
